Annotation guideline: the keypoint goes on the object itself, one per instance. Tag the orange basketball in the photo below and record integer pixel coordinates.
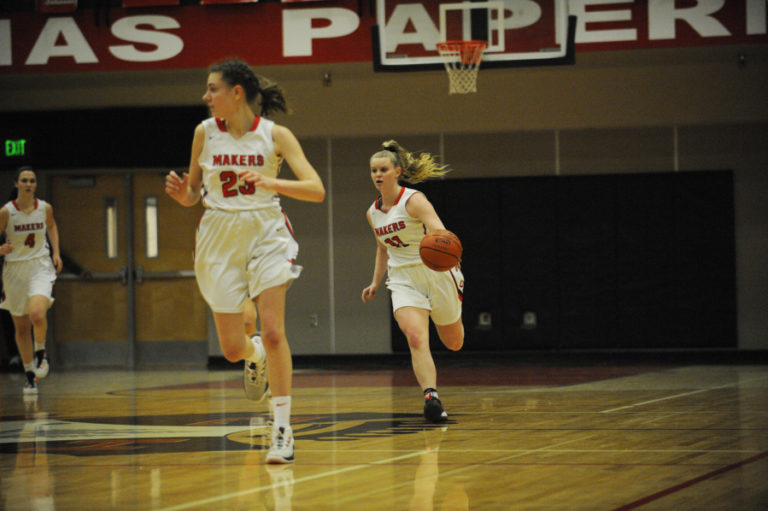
(440, 250)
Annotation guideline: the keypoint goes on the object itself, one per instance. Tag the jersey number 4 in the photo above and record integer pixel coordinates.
(29, 241)
(229, 185)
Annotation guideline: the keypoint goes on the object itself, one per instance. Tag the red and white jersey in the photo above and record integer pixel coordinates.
(26, 232)
(223, 156)
(400, 232)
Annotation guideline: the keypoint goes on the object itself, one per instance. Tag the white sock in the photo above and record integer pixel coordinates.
(38, 347)
(281, 408)
(30, 366)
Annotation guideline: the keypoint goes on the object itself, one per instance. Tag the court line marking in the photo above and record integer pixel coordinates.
(232, 495)
(321, 475)
(691, 482)
(675, 396)
(540, 449)
(458, 470)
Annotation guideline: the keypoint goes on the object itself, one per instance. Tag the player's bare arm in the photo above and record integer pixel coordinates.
(5, 248)
(53, 235)
(185, 189)
(379, 268)
(418, 206)
(307, 186)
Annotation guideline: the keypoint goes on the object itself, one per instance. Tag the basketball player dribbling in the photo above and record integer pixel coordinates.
(400, 217)
(29, 271)
(244, 246)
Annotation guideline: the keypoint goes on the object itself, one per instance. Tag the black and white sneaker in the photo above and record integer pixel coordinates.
(433, 407)
(30, 383)
(41, 364)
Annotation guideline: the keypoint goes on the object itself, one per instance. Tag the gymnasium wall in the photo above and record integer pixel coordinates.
(612, 113)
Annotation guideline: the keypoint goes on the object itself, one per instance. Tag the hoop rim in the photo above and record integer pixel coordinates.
(458, 44)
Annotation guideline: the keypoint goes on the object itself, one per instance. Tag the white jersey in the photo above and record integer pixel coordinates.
(398, 231)
(223, 156)
(27, 232)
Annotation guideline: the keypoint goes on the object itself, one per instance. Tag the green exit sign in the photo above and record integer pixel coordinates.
(15, 147)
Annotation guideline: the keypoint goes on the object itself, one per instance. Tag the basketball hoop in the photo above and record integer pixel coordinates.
(462, 61)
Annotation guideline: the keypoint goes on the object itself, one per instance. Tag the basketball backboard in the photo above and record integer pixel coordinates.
(518, 32)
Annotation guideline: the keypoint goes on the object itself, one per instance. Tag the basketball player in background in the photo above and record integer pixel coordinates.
(400, 217)
(244, 246)
(29, 271)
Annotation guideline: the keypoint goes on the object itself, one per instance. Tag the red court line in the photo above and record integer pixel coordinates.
(696, 480)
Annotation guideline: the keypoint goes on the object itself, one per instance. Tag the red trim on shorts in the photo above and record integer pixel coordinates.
(459, 290)
(288, 224)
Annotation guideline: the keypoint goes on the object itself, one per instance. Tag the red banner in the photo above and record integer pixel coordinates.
(183, 37)
(56, 6)
(289, 33)
(149, 3)
(604, 26)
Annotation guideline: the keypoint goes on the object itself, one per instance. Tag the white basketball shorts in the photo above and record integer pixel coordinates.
(441, 293)
(240, 254)
(25, 279)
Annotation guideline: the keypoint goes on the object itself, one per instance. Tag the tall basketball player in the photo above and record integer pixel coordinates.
(244, 247)
(29, 271)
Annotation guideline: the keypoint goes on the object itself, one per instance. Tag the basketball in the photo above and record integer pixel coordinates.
(440, 250)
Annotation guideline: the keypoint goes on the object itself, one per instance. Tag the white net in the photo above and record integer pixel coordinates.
(462, 62)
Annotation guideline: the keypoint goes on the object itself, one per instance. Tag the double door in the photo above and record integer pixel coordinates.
(127, 296)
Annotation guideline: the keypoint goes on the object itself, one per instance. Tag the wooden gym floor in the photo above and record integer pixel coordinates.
(537, 436)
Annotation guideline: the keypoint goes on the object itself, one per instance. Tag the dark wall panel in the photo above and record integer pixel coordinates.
(604, 262)
(706, 272)
(529, 267)
(587, 261)
(475, 212)
(646, 287)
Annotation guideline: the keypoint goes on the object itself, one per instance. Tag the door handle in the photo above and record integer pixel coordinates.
(124, 275)
(139, 273)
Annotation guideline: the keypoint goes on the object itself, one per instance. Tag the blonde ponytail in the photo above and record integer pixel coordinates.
(416, 168)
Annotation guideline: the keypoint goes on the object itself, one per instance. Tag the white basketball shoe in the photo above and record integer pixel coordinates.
(281, 448)
(255, 372)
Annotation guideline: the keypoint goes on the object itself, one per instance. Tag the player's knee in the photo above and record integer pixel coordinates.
(232, 350)
(272, 337)
(452, 336)
(232, 355)
(417, 339)
(37, 316)
(454, 344)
